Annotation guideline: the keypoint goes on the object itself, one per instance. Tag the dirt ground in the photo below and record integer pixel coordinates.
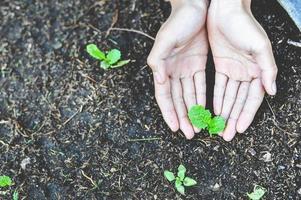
(69, 130)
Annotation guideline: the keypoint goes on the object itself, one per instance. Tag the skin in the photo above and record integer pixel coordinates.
(244, 63)
(178, 59)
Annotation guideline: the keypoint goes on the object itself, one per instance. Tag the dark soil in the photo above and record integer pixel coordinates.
(77, 124)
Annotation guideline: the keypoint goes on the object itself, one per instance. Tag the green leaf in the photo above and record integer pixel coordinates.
(16, 195)
(121, 63)
(189, 181)
(93, 50)
(105, 65)
(181, 172)
(178, 182)
(199, 116)
(5, 181)
(180, 188)
(257, 193)
(113, 56)
(169, 175)
(216, 125)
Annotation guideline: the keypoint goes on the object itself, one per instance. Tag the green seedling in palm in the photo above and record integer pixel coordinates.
(180, 180)
(202, 119)
(110, 59)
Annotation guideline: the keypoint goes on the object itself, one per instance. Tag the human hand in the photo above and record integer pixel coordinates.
(244, 63)
(178, 59)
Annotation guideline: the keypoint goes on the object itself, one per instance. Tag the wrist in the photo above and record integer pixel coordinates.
(231, 4)
(196, 3)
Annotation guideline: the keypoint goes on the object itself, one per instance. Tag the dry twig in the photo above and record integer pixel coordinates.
(275, 121)
(133, 31)
(296, 44)
(143, 139)
(90, 179)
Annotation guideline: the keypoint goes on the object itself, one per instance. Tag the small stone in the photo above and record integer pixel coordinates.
(252, 151)
(57, 45)
(267, 157)
(143, 185)
(112, 170)
(216, 187)
(216, 148)
(280, 167)
(25, 162)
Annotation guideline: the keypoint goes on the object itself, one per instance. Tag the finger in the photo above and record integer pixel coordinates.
(177, 96)
(266, 62)
(163, 97)
(230, 130)
(189, 94)
(200, 87)
(229, 98)
(242, 94)
(219, 90)
(161, 49)
(253, 102)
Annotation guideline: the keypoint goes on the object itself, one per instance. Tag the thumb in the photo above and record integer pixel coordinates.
(266, 62)
(161, 50)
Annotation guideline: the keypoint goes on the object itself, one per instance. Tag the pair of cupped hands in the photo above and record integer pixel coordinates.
(243, 58)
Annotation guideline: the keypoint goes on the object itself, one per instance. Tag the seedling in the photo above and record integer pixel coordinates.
(5, 181)
(258, 192)
(180, 179)
(202, 119)
(15, 195)
(110, 59)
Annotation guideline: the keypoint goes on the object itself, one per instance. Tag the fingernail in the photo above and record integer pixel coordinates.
(274, 87)
(228, 138)
(196, 130)
(189, 136)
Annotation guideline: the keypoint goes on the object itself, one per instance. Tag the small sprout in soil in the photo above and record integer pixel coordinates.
(180, 180)
(202, 119)
(5, 181)
(258, 193)
(110, 59)
(16, 195)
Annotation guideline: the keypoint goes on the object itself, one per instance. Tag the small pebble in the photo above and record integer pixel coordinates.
(216, 148)
(57, 45)
(216, 187)
(267, 157)
(252, 151)
(280, 167)
(25, 162)
(112, 170)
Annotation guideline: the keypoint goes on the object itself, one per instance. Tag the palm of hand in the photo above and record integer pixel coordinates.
(180, 54)
(190, 43)
(188, 59)
(240, 64)
(243, 59)
(233, 52)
